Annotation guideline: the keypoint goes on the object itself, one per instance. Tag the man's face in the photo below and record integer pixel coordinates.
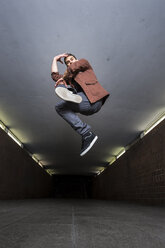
(69, 60)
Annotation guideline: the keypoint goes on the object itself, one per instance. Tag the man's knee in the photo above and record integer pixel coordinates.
(56, 108)
(59, 107)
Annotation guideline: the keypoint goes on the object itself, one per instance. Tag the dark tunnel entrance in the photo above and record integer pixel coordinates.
(72, 186)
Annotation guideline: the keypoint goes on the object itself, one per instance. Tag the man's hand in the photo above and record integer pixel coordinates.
(65, 74)
(58, 57)
(60, 81)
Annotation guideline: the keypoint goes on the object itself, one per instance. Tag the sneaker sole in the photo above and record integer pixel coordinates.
(89, 147)
(66, 95)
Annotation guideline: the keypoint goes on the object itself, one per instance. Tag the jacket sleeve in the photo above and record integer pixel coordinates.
(56, 76)
(78, 66)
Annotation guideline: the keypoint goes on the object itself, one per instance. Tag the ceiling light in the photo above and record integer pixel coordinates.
(2, 125)
(120, 153)
(152, 126)
(50, 172)
(40, 164)
(100, 171)
(112, 161)
(18, 142)
(35, 159)
(14, 138)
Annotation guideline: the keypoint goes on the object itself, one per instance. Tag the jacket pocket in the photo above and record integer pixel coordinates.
(91, 83)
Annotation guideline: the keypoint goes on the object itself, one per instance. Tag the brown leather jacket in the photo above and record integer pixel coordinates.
(84, 75)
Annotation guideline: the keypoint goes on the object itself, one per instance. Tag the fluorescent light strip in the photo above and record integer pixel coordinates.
(120, 153)
(100, 171)
(40, 164)
(35, 159)
(112, 161)
(50, 172)
(10, 134)
(135, 141)
(14, 138)
(18, 142)
(154, 125)
(2, 125)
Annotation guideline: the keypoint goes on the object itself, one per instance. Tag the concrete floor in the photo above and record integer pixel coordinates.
(80, 224)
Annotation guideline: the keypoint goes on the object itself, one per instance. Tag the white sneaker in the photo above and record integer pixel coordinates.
(67, 95)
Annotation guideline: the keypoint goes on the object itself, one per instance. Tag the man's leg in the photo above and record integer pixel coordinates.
(89, 138)
(68, 110)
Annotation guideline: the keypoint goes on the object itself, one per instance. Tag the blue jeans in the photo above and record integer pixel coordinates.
(68, 111)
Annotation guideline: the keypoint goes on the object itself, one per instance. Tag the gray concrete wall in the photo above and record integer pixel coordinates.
(20, 175)
(139, 174)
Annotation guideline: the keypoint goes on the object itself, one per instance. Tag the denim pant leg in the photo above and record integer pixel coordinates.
(68, 111)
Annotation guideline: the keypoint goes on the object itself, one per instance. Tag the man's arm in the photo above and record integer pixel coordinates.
(54, 69)
(54, 65)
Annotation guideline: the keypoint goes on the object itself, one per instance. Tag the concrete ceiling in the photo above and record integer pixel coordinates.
(124, 41)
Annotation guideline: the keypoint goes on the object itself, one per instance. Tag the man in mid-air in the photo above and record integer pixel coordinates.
(81, 93)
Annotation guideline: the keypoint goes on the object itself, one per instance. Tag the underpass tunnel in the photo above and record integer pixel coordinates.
(121, 206)
(114, 195)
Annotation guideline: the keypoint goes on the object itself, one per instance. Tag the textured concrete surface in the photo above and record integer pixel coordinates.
(80, 223)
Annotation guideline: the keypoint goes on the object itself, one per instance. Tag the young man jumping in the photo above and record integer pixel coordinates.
(80, 92)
